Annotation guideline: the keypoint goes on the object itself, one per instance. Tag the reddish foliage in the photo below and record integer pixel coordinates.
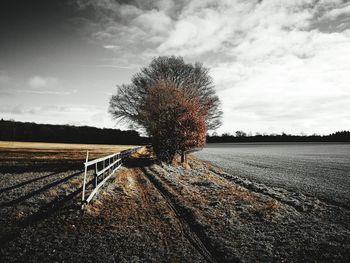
(177, 119)
(173, 102)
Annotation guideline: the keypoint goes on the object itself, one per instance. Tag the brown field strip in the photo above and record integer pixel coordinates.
(55, 151)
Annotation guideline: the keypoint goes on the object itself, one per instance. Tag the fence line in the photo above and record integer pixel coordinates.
(104, 168)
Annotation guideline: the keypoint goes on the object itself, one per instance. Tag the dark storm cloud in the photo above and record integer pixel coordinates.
(34, 29)
(22, 19)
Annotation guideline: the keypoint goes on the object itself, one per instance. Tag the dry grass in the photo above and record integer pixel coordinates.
(142, 153)
(56, 151)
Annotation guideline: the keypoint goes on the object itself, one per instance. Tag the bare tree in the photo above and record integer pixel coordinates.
(174, 102)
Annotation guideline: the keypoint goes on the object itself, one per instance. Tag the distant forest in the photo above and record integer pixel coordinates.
(28, 131)
(340, 136)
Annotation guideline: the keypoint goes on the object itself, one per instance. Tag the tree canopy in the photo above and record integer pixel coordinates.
(173, 101)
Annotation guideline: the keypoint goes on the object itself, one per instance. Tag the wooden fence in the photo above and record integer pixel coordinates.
(104, 168)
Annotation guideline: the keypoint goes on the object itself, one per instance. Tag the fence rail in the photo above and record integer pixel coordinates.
(104, 168)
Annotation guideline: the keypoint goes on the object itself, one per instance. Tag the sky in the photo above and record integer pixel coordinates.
(278, 65)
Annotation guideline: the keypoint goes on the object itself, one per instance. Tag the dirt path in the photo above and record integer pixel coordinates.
(137, 202)
(186, 224)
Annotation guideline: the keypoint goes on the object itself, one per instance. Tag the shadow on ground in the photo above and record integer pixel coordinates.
(13, 167)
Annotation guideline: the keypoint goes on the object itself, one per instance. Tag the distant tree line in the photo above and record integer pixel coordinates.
(28, 131)
(240, 136)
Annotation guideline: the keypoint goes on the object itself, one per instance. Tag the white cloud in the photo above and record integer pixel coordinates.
(278, 65)
(49, 92)
(113, 47)
(334, 13)
(57, 114)
(288, 92)
(46, 85)
(4, 79)
(38, 82)
(155, 21)
(116, 66)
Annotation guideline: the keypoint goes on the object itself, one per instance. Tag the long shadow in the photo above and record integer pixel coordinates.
(22, 166)
(38, 191)
(139, 162)
(29, 181)
(48, 209)
(44, 212)
(187, 217)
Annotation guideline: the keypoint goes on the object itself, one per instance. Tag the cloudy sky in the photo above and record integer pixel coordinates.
(278, 65)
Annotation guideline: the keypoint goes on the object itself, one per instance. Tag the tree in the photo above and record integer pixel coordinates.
(241, 134)
(174, 102)
(175, 120)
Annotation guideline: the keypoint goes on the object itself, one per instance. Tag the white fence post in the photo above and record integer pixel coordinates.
(114, 162)
(85, 172)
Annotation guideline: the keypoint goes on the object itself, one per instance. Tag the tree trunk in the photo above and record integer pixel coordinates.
(183, 156)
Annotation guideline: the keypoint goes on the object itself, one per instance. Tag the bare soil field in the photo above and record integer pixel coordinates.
(18, 157)
(172, 213)
(318, 169)
(55, 151)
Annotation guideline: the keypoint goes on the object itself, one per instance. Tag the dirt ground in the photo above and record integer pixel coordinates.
(171, 213)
